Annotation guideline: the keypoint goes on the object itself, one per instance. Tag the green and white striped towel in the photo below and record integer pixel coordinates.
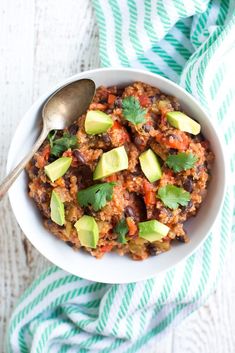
(193, 43)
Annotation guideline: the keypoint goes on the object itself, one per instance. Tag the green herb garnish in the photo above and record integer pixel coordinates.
(96, 196)
(121, 229)
(58, 146)
(173, 196)
(181, 161)
(133, 111)
(51, 136)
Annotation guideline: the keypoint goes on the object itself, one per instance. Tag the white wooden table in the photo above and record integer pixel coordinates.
(41, 43)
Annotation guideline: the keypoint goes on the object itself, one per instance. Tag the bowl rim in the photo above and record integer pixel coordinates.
(50, 91)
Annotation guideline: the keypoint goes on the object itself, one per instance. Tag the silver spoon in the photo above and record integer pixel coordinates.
(59, 112)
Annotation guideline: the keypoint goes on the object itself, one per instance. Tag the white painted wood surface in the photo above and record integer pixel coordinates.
(41, 43)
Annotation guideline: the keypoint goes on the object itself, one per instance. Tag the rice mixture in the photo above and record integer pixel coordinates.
(140, 207)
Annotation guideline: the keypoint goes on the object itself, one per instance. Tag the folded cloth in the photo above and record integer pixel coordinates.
(191, 42)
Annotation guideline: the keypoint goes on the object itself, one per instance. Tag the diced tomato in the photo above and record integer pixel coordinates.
(111, 99)
(98, 106)
(166, 238)
(112, 178)
(144, 100)
(46, 152)
(74, 162)
(124, 134)
(41, 162)
(131, 226)
(117, 125)
(149, 123)
(60, 182)
(179, 142)
(149, 194)
(168, 172)
(106, 248)
(68, 153)
(205, 144)
(150, 198)
(163, 119)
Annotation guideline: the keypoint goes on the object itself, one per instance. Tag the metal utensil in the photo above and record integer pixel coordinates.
(59, 112)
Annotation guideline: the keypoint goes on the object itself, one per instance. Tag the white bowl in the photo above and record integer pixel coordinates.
(114, 268)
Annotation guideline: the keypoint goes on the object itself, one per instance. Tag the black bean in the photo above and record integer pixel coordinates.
(166, 211)
(175, 104)
(138, 141)
(106, 139)
(173, 151)
(73, 129)
(199, 138)
(87, 211)
(154, 116)
(86, 174)
(155, 213)
(137, 172)
(44, 197)
(69, 243)
(79, 157)
(152, 99)
(35, 170)
(103, 100)
(129, 212)
(189, 205)
(180, 238)
(51, 159)
(33, 161)
(67, 181)
(158, 95)
(118, 102)
(199, 168)
(120, 91)
(46, 185)
(152, 250)
(147, 127)
(175, 137)
(188, 184)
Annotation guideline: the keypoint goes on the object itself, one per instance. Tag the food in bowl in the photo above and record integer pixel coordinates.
(125, 176)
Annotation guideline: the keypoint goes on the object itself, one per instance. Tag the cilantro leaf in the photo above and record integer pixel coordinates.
(58, 146)
(173, 196)
(96, 195)
(181, 161)
(133, 111)
(121, 229)
(51, 136)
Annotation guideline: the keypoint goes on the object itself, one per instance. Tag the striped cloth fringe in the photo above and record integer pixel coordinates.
(192, 43)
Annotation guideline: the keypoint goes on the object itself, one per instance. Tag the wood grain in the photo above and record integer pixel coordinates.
(41, 43)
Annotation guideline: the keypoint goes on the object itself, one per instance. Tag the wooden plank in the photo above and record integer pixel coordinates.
(16, 72)
(42, 42)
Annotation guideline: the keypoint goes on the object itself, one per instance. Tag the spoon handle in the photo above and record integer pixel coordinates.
(11, 177)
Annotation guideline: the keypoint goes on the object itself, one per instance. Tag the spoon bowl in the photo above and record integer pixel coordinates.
(59, 112)
(67, 103)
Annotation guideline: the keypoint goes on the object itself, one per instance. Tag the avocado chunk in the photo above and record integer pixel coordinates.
(152, 230)
(183, 122)
(150, 165)
(111, 162)
(57, 209)
(57, 169)
(88, 232)
(97, 122)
